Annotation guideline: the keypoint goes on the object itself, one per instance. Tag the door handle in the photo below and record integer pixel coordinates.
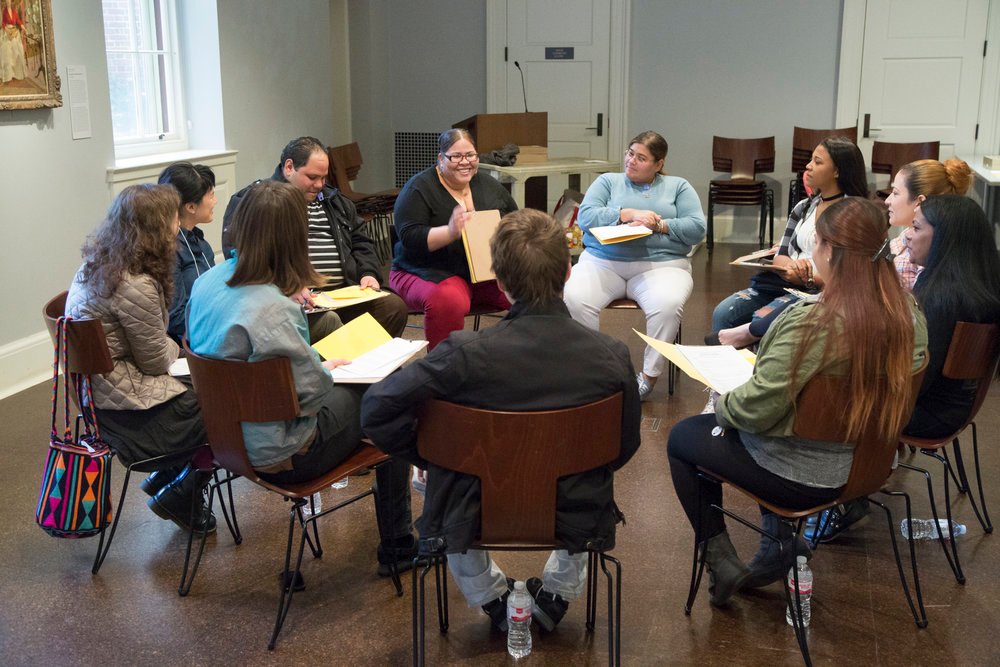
(600, 125)
(869, 131)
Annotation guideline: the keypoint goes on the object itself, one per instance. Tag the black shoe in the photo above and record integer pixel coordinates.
(159, 479)
(837, 519)
(173, 502)
(402, 550)
(285, 578)
(497, 609)
(549, 608)
(771, 562)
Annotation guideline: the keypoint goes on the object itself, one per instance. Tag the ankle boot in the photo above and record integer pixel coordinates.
(173, 501)
(727, 571)
(770, 564)
(159, 479)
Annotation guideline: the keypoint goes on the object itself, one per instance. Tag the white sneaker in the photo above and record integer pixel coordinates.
(645, 389)
(709, 408)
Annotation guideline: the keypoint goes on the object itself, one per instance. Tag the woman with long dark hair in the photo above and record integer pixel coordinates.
(126, 282)
(960, 282)
(836, 170)
(864, 327)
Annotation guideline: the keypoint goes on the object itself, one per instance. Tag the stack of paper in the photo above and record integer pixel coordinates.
(346, 296)
(762, 259)
(372, 351)
(619, 233)
(721, 367)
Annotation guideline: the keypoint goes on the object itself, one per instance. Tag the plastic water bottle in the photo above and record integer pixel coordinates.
(519, 606)
(805, 591)
(317, 505)
(926, 529)
(341, 483)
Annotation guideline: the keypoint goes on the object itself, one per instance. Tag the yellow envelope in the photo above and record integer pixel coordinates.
(350, 341)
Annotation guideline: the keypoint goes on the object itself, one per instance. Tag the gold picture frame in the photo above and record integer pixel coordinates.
(28, 78)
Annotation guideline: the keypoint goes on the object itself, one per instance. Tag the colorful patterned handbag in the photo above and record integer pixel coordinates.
(75, 498)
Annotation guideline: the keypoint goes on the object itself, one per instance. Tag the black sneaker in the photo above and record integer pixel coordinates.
(549, 608)
(402, 549)
(159, 479)
(841, 517)
(497, 609)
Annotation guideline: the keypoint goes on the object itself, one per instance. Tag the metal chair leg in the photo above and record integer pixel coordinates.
(104, 544)
(987, 525)
(441, 588)
(185, 585)
(288, 577)
(951, 557)
(919, 618)
(614, 608)
(963, 483)
(418, 607)
(591, 590)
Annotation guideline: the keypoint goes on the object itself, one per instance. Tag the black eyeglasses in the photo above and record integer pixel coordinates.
(457, 158)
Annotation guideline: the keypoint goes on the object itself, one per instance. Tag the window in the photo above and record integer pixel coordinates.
(140, 40)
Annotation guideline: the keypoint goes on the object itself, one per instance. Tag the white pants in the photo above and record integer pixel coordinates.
(481, 581)
(660, 288)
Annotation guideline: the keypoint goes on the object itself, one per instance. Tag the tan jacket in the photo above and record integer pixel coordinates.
(135, 325)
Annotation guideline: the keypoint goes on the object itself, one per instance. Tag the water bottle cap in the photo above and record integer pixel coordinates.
(518, 585)
(801, 560)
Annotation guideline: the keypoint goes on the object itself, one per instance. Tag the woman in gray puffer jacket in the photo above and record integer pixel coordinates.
(126, 282)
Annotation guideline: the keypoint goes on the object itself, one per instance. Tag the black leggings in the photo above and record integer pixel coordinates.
(691, 445)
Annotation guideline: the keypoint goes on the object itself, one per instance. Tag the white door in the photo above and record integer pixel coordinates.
(564, 50)
(921, 72)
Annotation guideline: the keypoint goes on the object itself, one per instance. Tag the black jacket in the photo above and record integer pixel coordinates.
(357, 252)
(536, 358)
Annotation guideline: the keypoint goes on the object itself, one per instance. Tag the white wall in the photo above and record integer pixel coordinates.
(52, 192)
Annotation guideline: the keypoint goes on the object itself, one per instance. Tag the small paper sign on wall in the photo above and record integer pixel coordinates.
(79, 101)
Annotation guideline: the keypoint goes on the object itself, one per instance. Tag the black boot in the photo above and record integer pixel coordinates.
(727, 571)
(173, 502)
(159, 479)
(771, 564)
(401, 550)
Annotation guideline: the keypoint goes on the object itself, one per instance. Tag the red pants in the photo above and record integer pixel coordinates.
(445, 304)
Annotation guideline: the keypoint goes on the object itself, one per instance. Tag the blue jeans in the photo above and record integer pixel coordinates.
(738, 308)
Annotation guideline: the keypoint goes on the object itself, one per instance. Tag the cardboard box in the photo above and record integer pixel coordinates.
(989, 161)
(532, 155)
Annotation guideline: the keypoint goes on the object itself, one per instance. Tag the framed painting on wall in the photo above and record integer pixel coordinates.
(28, 78)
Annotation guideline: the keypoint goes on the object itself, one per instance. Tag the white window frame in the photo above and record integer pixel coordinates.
(176, 139)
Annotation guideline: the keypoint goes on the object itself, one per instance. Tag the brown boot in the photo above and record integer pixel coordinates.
(727, 571)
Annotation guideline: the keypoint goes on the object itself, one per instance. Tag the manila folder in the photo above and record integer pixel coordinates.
(476, 239)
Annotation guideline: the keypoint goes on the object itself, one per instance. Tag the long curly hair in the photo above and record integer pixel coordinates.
(136, 237)
(867, 316)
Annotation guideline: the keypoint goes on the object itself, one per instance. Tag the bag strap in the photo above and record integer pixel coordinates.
(60, 351)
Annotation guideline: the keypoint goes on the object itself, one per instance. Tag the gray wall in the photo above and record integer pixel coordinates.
(52, 189)
(279, 77)
(735, 69)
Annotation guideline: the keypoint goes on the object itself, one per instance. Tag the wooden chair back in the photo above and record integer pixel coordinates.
(519, 457)
(805, 140)
(231, 392)
(743, 158)
(819, 416)
(973, 354)
(345, 163)
(888, 157)
(86, 346)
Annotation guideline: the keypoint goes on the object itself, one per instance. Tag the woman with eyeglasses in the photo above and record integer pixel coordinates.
(196, 185)
(429, 268)
(652, 270)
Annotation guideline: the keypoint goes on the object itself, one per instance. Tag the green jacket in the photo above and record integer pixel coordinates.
(762, 405)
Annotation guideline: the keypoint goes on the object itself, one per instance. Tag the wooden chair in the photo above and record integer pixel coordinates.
(804, 141)
(744, 159)
(672, 372)
(231, 392)
(972, 357)
(888, 157)
(519, 458)
(819, 416)
(88, 355)
(375, 208)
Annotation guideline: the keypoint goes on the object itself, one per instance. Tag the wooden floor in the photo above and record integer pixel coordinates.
(54, 612)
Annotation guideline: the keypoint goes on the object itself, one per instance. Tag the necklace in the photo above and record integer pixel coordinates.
(839, 195)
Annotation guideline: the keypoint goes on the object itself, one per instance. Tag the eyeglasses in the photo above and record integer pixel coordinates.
(457, 158)
(632, 155)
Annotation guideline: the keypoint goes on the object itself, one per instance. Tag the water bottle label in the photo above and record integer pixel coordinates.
(805, 587)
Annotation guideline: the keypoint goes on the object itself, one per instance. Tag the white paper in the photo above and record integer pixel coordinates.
(609, 234)
(179, 368)
(79, 101)
(374, 365)
(723, 367)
